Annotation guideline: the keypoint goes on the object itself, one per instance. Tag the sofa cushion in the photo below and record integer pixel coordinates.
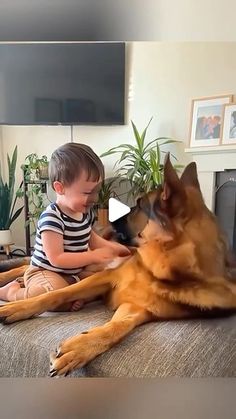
(189, 348)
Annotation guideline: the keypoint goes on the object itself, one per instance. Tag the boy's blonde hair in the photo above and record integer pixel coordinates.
(70, 160)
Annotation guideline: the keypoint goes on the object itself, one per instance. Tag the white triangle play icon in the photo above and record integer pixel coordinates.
(116, 209)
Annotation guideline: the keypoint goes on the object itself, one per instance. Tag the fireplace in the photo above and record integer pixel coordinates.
(225, 204)
(217, 177)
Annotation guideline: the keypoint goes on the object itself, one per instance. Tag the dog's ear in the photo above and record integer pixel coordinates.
(189, 176)
(171, 184)
(173, 195)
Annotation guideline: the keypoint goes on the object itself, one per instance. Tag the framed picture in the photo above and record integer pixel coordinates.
(228, 132)
(206, 120)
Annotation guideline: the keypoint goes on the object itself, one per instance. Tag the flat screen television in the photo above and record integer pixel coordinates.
(62, 83)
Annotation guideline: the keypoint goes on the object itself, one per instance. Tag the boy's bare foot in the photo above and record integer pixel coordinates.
(77, 305)
(8, 292)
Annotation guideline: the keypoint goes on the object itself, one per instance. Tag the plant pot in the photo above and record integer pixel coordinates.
(5, 237)
(103, 217)
(43, 172)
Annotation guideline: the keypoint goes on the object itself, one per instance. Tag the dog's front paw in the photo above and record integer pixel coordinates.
(18, 310)
(71, 354)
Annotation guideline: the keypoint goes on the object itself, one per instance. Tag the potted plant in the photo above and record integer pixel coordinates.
(141, 162)
(105, 193)
(8, 199)
(36, 204)
(35, 167)
(43, 167)
(35, 171)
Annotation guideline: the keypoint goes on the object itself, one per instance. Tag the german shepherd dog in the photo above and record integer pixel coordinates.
(178, 271)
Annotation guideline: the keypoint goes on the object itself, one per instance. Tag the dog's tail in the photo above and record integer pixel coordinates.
(12, 269)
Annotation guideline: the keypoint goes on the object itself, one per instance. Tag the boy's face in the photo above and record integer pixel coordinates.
(81, 195)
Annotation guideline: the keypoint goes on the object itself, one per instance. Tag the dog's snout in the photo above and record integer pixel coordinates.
(121, 236)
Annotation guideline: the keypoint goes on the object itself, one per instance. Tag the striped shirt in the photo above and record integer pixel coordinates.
(76, 235)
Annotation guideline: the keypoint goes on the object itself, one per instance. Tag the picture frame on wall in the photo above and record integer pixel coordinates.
(206, 120)
(228, 132)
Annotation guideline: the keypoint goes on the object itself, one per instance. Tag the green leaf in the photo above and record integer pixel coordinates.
(154, 141)
(137, 137)
(117, 149)
(141, 163)
(145, 131)
(15, 216)
(8, 197)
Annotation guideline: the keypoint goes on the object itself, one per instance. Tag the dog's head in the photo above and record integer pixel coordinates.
(174, 207)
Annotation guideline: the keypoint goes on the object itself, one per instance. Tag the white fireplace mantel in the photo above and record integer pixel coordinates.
(210, 160)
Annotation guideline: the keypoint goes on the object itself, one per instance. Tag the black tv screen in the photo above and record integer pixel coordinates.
(62, 83)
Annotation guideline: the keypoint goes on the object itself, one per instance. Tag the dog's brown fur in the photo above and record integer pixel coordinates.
(178, 271)
(12, 269)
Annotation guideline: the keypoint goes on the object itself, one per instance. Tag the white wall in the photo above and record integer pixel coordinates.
(201, 20)
(163, 77)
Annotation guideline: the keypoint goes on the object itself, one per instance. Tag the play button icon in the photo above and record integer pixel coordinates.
(116, 209)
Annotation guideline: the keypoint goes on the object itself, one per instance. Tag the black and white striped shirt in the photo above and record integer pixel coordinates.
(76, 235)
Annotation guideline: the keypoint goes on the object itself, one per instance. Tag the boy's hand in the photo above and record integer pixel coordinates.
(104, 255)
(120, 249)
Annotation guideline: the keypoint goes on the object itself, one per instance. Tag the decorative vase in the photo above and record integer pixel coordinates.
(5, 237)
(103, 217)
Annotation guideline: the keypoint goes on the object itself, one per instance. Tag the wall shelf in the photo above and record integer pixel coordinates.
(212, 150)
